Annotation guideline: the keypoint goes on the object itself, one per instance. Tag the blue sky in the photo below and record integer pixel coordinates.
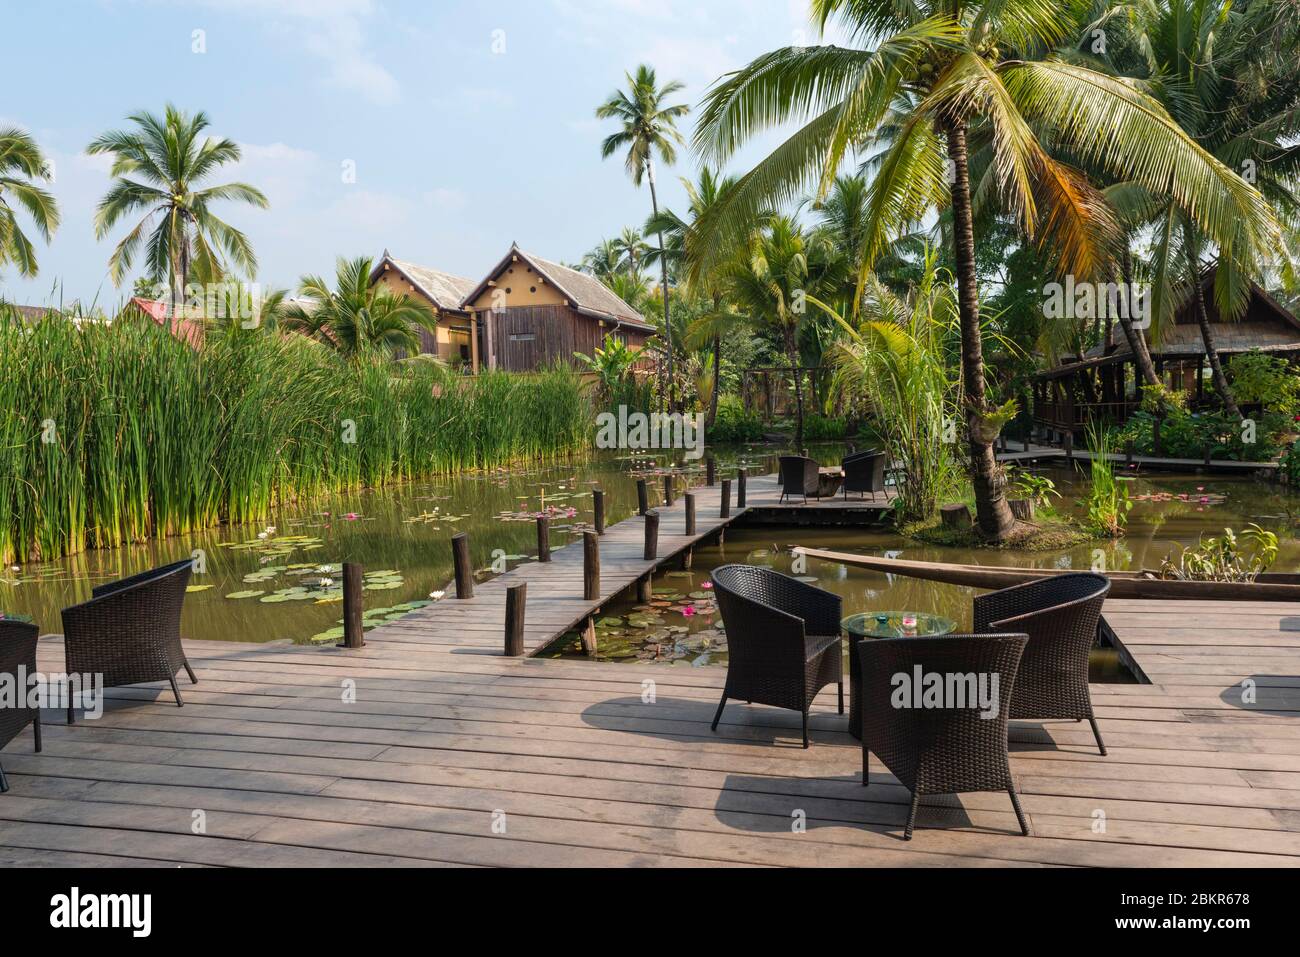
(458, 149)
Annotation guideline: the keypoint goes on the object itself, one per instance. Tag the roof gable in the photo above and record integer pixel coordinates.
(443, 289)
(586, 293)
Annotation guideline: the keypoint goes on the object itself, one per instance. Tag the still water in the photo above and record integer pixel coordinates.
(281, 580)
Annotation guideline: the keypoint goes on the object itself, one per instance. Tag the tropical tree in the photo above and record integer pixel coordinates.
(632, 250)
(356, 319)
(770, 279)
(611, 365)
(1212, 66)
(648, 127)
(938, 69)
(22, 165)
(158, 167)
(602, 261)
(702, 196)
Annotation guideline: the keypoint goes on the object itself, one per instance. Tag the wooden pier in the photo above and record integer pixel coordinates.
(429, 747)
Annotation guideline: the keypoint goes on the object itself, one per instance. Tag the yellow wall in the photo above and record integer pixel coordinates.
(526, 288)
(394, 282)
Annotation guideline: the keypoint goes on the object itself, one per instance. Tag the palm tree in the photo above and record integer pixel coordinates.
(937, 69)
(673, 230)
(357, 319)
(158, 166)
(21, 164)
(603, 259)
(632, 250)
(1211, 65)
(648, 127)
(770, 280)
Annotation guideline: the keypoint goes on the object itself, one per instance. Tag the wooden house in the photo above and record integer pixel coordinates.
(455, 340)
(534, 312)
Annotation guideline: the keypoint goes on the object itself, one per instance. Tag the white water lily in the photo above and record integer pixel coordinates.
(261, 534)
(437, 595)
(326, 582)
(325, 569)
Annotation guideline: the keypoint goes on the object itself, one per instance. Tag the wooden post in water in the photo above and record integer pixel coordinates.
(726, 499)
(1069, 445)
(742, 475)
(690, 513)
(1208, 447)
(1157, 446)
(353, 611)
(1128, 452)
(460, 558)
(598, 503)
(668, 491)
(642, 497)
(651, 536)
(516, 600)
(710, 471)
(644, 589)
(543, 538)
(590, 566)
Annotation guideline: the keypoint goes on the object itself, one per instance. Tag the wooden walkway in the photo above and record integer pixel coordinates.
(1036, 452)
(427, 749)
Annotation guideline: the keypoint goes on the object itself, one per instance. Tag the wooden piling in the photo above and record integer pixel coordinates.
(690, 514)
(642, 497)
(710, 471)
(516, 600)
(651, 536)
(598, 503)
(742, 475)
(353, 606)
(460, 559)
(726, 498)
(590, 566)
(543, 538)
(668, 491)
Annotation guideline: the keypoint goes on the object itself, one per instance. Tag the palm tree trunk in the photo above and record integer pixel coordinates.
(993, 514)
(663, 263)
(717, 382)
(1207, 334)
(792, 354)
(1137, 342)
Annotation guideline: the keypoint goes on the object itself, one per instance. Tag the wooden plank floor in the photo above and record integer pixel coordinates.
(425, 749)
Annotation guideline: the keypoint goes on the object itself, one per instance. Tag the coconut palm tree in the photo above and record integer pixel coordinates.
(632, 249)
(702, 196)
(1212, 66)
(21, 166)
(770, 279)
(938, 69)
(648, 127)
(356, 319)
(158, 167)
(602, 260)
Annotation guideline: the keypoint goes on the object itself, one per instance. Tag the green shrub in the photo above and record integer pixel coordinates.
(820, 428)
(1258, 378)
(734, 424)
(1184, 435)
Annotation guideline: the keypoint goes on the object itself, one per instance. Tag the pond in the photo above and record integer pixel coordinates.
(681, 625)
(282, 580)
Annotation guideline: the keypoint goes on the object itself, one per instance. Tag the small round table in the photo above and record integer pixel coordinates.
(885, 624)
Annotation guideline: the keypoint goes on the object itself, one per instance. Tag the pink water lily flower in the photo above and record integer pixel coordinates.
(707, 585)
(689, 611)
(352, 516)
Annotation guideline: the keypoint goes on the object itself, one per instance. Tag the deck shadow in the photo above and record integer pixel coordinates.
(1238, 695)
(678, 718)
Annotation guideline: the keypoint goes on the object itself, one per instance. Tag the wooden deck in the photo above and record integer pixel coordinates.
(453, 755)
(1036, 452)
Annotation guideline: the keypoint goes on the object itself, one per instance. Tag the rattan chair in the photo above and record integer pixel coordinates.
(864, 472)
(18, 650)
(799, 476)
(1060, 614)
(950, 749)
(783, 639)
(130, 631)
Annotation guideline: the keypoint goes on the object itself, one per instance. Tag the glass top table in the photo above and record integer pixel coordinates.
(885, 624)
(898, 624)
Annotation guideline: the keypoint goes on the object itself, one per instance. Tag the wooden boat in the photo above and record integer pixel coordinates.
(1269, 586)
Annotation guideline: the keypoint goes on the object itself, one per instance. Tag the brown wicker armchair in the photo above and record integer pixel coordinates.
(130, 631)
(783, 639)
(865, 472)
(18, 650)
(799, 476)
(1060, 614)
(950, 749)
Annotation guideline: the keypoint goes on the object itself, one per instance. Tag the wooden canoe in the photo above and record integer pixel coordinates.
(1276, 586)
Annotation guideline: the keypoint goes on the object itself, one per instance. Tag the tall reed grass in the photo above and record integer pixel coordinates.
(114, 433)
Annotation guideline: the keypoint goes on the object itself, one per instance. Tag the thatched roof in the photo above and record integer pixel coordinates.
(445, 290)
(585, 293)
(1266, 326)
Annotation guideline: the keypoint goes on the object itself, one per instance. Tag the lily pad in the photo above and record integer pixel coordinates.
(245, 594)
